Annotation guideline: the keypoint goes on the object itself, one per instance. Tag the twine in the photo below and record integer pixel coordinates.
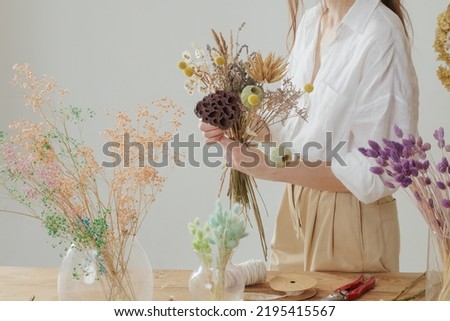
(254, 271)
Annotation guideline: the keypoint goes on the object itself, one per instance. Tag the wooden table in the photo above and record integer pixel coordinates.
(26, 283)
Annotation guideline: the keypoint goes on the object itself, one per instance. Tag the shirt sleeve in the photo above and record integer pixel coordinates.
(387, 95)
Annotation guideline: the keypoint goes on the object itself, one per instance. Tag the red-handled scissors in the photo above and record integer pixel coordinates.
(352, 290)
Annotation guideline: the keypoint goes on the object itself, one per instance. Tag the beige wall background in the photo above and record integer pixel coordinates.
(117, 54)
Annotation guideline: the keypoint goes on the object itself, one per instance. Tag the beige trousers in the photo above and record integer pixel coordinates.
(326, 231)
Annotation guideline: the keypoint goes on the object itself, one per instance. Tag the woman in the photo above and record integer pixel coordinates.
(335, 215)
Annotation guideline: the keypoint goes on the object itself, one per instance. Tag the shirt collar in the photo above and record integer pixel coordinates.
(359, 14)
(356, 18)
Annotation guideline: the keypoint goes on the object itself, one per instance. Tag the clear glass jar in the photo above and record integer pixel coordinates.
(217, 279)
(87, 275)
(438, 267)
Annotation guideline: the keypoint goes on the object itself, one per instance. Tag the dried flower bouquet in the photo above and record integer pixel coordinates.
(241, 99)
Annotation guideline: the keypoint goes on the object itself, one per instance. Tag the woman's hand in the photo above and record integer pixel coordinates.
(252, 161)
(211, 133)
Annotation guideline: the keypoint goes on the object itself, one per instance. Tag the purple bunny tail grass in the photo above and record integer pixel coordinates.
(374, 145)
(439, 134)
(389, 184)
(441, 185)
(377, 170)
(445, 203)
(398, 132)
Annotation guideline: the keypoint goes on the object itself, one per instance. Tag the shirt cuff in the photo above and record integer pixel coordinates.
(354, 173)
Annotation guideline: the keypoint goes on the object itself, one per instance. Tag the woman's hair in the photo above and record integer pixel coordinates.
(294, 5)
(397, 7)
(293, 13)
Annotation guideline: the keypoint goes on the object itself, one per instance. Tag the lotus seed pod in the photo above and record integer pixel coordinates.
(221, 109)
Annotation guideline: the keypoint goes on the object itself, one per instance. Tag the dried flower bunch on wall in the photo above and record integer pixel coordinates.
(442, 47)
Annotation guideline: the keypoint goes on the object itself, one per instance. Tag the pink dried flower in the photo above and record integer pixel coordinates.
(50, 175)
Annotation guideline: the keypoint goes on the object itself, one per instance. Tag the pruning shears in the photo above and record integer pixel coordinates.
(353, 290)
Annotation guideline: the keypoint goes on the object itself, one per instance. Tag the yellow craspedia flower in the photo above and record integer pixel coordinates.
(219, 60)
(182, 64)
(188, 71)
(309, 88)
(254, 100)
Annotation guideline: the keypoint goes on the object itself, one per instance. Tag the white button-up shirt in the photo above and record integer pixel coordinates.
(366, 83)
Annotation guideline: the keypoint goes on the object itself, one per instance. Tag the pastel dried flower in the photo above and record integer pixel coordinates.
(411, 167)
(222, 232)
(47, 167)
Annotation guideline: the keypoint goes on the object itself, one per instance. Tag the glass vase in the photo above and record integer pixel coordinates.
(116, 275)
(438, 267)
(217, 279)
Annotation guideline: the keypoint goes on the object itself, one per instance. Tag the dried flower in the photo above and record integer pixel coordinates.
(219, 60)
(280, 156)
(309, 88)
(411, 167)
(221, 109)
(187, 56)
(221, 234)
(445, 203)
(189, 71)
(398, 132)
(269, 70)
(215, 241)
(182, 65)
(377, 170)
(408, 165)
(48, 169)
(252, 96)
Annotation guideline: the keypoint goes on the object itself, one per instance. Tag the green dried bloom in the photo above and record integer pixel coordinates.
(215, 242)
(56, 225)
(223, 230)
(200, 241)
(77, 115)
